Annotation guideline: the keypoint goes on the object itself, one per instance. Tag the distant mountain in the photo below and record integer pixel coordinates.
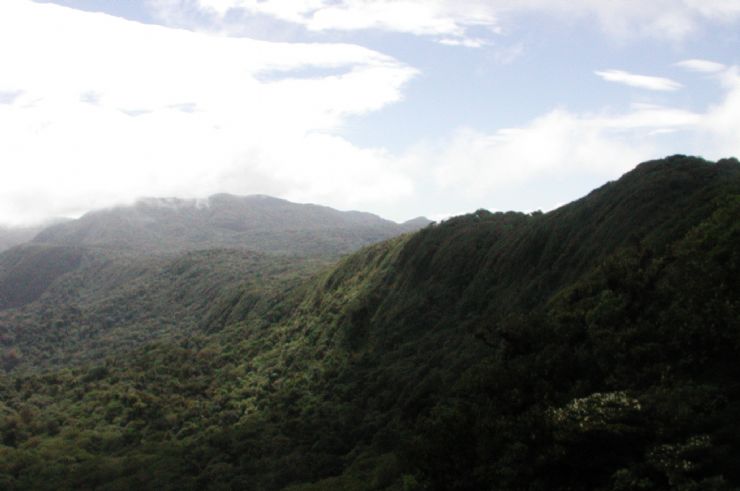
(258, 223)
(174, 226)
(415, 224)
(12, 236)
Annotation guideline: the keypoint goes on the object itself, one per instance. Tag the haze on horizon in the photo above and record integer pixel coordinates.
(399, 108)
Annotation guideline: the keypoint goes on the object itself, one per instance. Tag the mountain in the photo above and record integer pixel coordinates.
(415, 224)
(83, 272)
(591, 347)
(12, 236)
(257, 223)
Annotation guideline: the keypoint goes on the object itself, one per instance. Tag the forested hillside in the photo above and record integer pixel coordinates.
(257, 223)
(12, 236)
(71, 305)
(592, 347)
(117, 278)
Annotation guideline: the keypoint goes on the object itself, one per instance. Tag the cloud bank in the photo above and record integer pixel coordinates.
(563, 147)
(97, 110)
(453, 21)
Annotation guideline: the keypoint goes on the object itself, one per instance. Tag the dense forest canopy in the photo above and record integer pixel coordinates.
(592, 347)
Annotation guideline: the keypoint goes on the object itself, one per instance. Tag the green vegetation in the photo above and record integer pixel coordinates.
(593, 347)
(94, 303)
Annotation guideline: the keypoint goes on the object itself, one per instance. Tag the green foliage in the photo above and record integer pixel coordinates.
(593, 347)
(115, 303)
(26, 271)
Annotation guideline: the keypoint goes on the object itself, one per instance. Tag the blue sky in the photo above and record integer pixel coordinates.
(398, 107)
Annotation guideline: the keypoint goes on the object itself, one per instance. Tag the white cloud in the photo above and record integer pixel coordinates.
(645, 116)
(716, 9)
(554, 145)
(719, 130)
(664, 19)
(445, 20)
(639, 81)
(561, 147)
(430, 17)
(105, 110)
(703, 66)
(466, 42)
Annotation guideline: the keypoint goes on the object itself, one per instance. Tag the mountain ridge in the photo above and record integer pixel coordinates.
(256, 222)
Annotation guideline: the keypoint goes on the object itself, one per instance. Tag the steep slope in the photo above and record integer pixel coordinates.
(13, 236)
(64, 306)
(593, 347)
(257, 223)
(26, 271)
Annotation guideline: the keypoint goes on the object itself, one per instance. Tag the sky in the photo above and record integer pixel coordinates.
(398, 107)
